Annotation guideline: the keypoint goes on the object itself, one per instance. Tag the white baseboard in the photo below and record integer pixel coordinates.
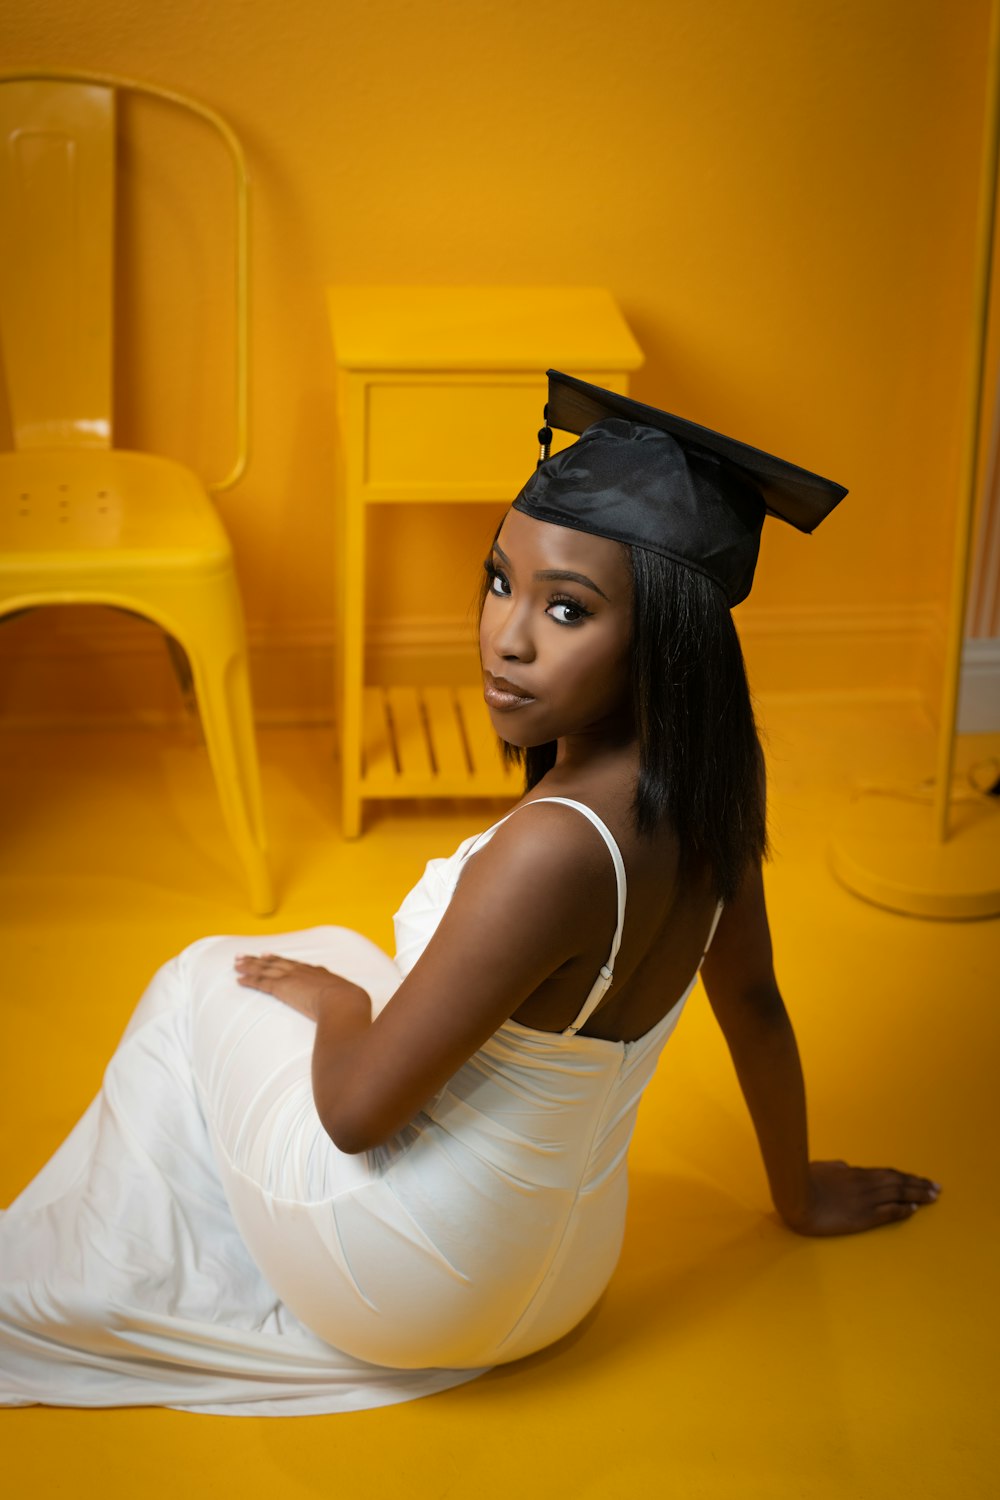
(979, 697)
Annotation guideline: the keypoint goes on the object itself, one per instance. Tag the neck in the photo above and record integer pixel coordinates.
(596, 751)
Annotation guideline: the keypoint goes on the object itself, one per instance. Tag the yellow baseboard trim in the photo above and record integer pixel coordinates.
(75, 666)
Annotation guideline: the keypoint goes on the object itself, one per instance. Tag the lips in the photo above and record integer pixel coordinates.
(504, 695)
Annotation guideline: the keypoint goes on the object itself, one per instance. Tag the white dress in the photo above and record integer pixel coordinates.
(199, 1241)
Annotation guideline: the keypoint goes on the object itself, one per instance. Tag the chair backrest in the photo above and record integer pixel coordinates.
(57, 167)
(56, 233)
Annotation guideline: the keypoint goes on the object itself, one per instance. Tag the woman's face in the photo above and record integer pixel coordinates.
(554, 634)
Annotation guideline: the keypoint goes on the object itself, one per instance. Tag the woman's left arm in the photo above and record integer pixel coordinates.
(812, 1197)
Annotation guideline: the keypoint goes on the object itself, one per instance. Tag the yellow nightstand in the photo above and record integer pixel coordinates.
(439, 395)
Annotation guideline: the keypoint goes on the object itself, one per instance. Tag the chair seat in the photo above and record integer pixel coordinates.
(114, 512)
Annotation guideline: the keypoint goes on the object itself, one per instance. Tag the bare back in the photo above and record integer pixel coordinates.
(666, 927)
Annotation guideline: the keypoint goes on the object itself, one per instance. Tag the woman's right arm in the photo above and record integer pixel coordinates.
(816, 1198)
(526, 904)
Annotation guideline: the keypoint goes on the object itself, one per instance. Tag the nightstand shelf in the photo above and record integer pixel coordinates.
(433, 741)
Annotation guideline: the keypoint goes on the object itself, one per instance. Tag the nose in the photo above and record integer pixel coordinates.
(507, 630)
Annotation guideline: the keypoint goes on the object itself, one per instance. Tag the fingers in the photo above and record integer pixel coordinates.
(884, 1184)
(262, 960)
(918, 1190)
(299, 985)
(887, 1196)
(846, 1199)
(891, 1213)
(266, 964)
(273, 962)
(258, 971)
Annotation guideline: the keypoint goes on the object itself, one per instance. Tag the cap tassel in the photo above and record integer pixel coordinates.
(544, 438)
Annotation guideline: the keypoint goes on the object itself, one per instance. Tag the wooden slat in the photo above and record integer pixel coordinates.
(483, 747)
(489, 772)
(378, 760)
(418, 742)
(409, 734)
(448, 746)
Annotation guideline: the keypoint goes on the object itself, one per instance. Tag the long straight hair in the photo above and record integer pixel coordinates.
(701, 768)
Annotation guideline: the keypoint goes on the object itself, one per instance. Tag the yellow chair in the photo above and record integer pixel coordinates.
(82, 521)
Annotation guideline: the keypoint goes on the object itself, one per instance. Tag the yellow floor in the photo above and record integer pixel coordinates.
(729, 1358)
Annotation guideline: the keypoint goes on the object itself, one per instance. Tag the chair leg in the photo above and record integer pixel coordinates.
(182, 671)
(223, 691)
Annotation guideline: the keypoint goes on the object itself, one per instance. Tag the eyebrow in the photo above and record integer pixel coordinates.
(555, 573)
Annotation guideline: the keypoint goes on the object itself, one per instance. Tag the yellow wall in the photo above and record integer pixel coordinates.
(781, 196)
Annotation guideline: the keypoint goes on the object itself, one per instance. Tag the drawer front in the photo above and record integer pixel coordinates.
(456, 438)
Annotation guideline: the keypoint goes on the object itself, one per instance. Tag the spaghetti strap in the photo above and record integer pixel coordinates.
(711, 932)
(602, 983)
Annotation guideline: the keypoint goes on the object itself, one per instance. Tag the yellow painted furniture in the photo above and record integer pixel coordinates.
(439, 397)
(82, 521)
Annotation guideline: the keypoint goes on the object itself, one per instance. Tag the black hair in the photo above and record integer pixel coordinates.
(701, 767)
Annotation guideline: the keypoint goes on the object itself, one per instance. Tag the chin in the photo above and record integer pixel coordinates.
(510, 737)
(522, 741)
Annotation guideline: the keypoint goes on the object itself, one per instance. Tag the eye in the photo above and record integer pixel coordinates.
(499, 584)
(567, 611)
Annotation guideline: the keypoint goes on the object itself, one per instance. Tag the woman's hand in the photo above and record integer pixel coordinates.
(845, 1200)
(305, 987)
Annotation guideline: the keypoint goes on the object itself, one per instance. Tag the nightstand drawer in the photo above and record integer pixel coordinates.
(463, 438)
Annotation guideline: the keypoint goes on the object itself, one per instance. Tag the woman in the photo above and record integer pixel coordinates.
(411, 1171)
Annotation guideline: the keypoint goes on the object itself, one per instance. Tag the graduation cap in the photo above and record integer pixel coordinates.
(645, 477)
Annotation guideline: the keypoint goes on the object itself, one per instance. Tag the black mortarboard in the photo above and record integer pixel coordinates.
(642, 476)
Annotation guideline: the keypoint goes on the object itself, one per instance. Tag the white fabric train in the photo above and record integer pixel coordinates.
(199, 1241)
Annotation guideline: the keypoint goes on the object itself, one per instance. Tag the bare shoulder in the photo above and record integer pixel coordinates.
(546, 859)
(545, 837)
